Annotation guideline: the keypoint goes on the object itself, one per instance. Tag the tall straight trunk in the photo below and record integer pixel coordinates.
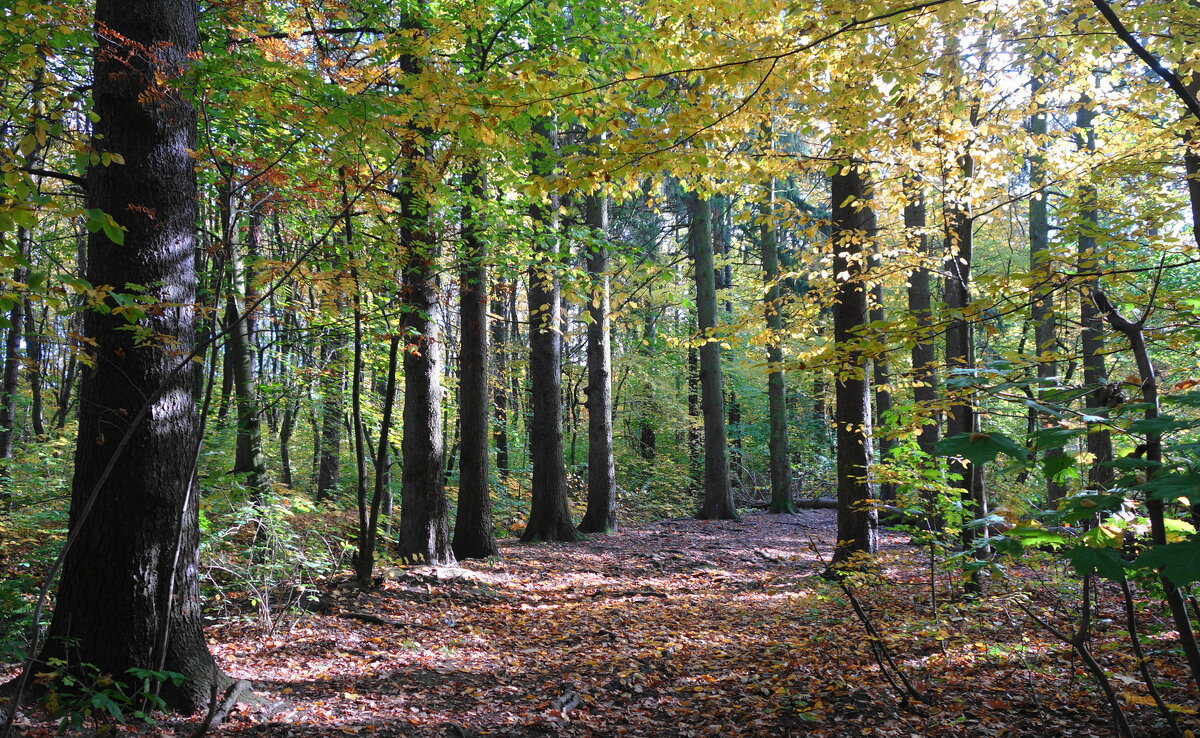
(500, 403)
(424, 511)
(717, 503)
(12, 363)
(924, 352)
(695, 438)
(369, 533)
(358, 425)
(329, 442)
(960, 349)
(249, 458)
(853, 228)
(880, 376)
(1041, 267)
(129, 594)
(286, 428)
(33, 353)
(1091, 322)
(780, 462)
(473, 537)
(549, 516)
(601, 514)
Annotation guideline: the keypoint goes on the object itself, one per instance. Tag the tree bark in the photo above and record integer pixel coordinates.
(780, 461)
(601, 514)
(549, 516)
(129, 592)
(329, 440)
(1041, 267)
(853, 228)
(717, 503)
(473, 537)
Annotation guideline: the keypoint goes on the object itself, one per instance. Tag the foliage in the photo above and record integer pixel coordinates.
(81, 697)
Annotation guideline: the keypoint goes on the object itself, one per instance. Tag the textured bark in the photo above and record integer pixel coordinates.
(329, 441)
(129, 592)
(924, 356)
(853, 226)
(717, 503)
(249, 458)
(549, 516)
(12, 362)
(473, 537)
(424, 510)
(880, 376)
(601, 514)
(500, 403)
(33, 353)
(780, 462)
(1041, 267)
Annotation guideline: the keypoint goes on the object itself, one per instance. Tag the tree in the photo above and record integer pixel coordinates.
(129, 592)
(549, 517)
(780, 463)
(601, 513)
(853, 229)
(717, 503)
(473, 524)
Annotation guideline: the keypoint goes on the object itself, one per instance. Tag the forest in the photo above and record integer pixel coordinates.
(590, 368)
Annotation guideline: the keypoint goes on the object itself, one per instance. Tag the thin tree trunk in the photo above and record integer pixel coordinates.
(780, 461)
(924, 356)
(500, 403)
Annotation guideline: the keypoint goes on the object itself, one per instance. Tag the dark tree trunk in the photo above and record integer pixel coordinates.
(369, 533)
(601, 514)
(717, 503)
(12, 363)
(286, 427)
(549, 516)
(129, 592)
(473, 537)
(853, 227)
(1041, 268)
(960, 351)
(883, 396)
(781, 468)
(424, 510)
(695, 439)
(924, 355)
(500, 403)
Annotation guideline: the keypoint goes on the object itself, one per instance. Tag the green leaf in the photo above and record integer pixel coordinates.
(1105, 562)
(1179, 562)
(1059, 468)
(1161, 424)
(1054, 437)
(980, 448)
(1032, 536)
(1172, 485)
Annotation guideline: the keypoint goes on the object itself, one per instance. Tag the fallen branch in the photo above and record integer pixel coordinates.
(367, 617)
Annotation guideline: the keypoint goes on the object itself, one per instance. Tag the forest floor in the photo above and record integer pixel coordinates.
(678, 628)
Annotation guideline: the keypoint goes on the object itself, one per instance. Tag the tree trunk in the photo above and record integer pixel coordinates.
(33, 352)
(924, 356)
(239, 351)
(329, 442)
(781, 467)
(129, 593)
(853, 228)
(549, 516)
(880, 375)
(500, 403)
(473, 537)
(1041, 267)
(424, 510)
(601, 514)
(369, 533)
(718, 501)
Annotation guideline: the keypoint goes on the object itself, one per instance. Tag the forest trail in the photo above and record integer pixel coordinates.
(677, 628)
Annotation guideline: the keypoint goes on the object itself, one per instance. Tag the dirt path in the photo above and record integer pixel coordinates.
(680, 628)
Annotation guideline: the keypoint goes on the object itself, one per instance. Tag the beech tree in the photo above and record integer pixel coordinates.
(129, 593)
